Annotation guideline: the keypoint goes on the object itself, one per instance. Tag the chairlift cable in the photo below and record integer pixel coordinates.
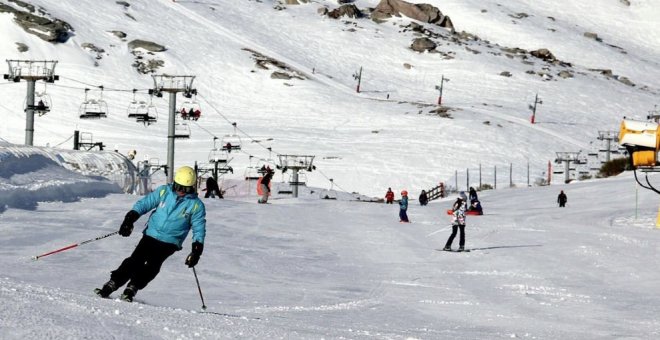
(64, 141)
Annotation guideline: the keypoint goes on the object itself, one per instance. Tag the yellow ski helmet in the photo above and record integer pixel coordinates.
(185, 176)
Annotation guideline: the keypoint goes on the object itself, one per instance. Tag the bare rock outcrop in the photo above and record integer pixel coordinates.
(38, 22)
(421, 12)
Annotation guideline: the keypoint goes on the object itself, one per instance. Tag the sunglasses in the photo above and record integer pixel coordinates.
(183, 188)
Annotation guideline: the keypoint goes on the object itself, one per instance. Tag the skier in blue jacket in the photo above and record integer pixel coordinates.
(177, 210)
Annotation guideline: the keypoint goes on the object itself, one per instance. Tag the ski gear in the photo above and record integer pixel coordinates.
(107, 289)
(195, 254)
(127, 226)
(74, 245)
(129, 293)
(199, 288)
(185, 176)
(174, 217)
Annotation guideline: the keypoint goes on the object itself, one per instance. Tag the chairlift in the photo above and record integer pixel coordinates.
(181, 130)
(218, 156)
(142, 111)
(190, 109)
(93, 108)
(252, 172)
(231, 141)
(42, 103)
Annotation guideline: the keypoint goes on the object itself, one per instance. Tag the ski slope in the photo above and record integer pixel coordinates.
(341, 269)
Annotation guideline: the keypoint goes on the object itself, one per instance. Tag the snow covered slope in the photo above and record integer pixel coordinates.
(385, 136)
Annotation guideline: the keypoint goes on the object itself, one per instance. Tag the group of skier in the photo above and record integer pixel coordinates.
(459, 209)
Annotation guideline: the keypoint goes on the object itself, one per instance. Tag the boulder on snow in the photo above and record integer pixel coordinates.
(423, 44)
(147, 45)
(38, 22)
(421, 12)
(349, 10)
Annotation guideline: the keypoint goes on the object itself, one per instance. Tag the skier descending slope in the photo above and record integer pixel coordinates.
(177, 210)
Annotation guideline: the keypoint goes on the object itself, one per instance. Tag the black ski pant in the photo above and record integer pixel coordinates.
(454, 229)
(144, 264)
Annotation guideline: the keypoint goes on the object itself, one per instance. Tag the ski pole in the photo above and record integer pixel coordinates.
(199, 289)
(73, 245)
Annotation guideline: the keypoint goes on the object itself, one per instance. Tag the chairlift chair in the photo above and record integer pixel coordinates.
(231, 141)
(42, 103)
(190, 109)
(181, 130)
(218, 156)
(93, 108)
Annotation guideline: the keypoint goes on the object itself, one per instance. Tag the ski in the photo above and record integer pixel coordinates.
(230, 315)
(454, 251)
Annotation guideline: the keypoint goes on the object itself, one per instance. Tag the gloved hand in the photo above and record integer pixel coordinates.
(195, 253)
(127, 226)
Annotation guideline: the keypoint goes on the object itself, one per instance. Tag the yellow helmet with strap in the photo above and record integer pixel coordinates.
(185, 176)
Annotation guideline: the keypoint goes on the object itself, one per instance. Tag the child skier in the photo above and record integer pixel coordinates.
(403, 207)
(458, 222)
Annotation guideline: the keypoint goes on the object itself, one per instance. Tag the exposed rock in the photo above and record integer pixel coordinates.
(519, 15)
(280, 75)
(565, 74)
(123, 3)
(506, 74)
(119, 34)
(625, 80)
(146, 66)
(263, 62)
(22, 47)
(423, 44)
(625, 2)
(543, 54)
(421, 12)
(350, 11)
(322, 10)
(343, 2)
(92, 47)
(407, 66)
(606, 72)
(295, 2)
(38, 22)
(147, 45)
(593, 36)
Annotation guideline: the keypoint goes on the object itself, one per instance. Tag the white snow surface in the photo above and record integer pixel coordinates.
(309, 268)
(341, 269)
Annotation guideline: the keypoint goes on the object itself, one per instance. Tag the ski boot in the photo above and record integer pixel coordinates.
(106, 290)
(461, 248)
(446, 248)
(129, 293)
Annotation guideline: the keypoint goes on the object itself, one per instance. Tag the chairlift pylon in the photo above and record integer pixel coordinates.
(93, 108)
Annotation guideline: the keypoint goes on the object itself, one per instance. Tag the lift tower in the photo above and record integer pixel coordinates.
(173, 85)
(31, 71)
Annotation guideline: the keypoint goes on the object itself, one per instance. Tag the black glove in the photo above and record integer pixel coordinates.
(127, 226)
(195, 253)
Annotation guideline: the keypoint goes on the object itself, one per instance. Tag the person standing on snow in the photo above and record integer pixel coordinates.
(403, 207)
(561, 199)
(423, 198)
(177, 211)
(458, 222)
(265, 188)
(389, 196)
(212, 188)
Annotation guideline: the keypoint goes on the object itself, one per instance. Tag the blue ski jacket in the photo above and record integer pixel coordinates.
(403, 203)
(174, 216)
